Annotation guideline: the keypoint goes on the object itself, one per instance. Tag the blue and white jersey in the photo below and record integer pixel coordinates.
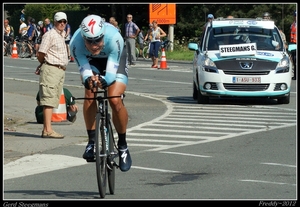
(112, 50)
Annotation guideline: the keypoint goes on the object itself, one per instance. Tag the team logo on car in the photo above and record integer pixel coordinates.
(252, 22)
(246, 65)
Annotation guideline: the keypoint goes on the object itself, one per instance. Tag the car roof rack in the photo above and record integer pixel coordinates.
(257, 19)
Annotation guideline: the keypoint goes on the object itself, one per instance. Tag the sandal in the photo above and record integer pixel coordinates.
(52, 134)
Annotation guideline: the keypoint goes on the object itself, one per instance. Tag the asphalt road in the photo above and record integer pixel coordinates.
(226, 150)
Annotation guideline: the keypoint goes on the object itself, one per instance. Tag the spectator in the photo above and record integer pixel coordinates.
(23, 28)
(67, 39)
(53, 56)
(42, 30)
(48, 24)
(112, 20)
(283, 37)
(71, 107)
(293, 40)
(32, 34)
(157, 33)
(22, 14)
(141, 42)
(148, 38)
(266, 16)
(8, 31)
(131, 32)
(210, 17)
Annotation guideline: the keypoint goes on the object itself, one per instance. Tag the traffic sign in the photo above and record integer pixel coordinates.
(162, 13)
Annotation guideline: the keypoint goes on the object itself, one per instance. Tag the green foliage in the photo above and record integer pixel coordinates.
(190, 18)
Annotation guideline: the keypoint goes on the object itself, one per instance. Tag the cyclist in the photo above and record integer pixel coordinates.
(98, 46)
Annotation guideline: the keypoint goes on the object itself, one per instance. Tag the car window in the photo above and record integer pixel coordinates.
(266, 39)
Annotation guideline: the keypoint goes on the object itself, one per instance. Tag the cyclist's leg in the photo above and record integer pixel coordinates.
(119, 112)
(90, 110)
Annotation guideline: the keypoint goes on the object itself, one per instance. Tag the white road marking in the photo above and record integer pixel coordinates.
(155, 169)
(268, 182)
(39, 163)
(185, 154)
(278, 164)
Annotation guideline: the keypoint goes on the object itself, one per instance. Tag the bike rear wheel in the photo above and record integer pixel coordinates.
(145, 52)
(111, 169)
(101, 156)
(137, 53)
(24, 50)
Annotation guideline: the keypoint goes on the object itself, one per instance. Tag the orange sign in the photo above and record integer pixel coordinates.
(162, 13)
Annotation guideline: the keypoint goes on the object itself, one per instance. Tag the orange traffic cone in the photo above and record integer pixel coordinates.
(59, 114)
(15, 51)
(163, 61)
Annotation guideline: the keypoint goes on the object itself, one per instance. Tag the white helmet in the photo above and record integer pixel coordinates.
(92, 28)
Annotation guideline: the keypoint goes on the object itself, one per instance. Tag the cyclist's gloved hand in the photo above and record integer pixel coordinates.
(90, 83)
(87, 83)
(103, 82)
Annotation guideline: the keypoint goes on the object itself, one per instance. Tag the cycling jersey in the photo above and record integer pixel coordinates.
(113, 51)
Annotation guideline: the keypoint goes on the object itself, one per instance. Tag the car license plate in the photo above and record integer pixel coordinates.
(246, 80)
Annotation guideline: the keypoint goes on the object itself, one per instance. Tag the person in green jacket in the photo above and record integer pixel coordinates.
(72, 108)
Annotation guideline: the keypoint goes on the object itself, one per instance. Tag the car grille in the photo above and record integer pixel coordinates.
(233, 67)
(244, 72)
(246, 87)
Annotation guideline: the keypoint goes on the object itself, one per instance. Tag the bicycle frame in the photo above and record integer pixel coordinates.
(105, 143)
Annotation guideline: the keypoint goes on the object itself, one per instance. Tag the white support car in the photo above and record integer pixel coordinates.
(241, 57)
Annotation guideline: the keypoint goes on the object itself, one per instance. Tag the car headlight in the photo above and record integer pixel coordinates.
(208, 62)
(283, 66)
(209, 66)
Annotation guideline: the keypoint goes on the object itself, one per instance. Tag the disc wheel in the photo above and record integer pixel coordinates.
(101, 157)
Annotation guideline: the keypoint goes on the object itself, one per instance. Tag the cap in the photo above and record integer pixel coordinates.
(40, 22)
(210, 16)
(150, 25)
(59, 16)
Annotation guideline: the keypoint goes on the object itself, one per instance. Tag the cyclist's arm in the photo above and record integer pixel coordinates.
(79, 52)
(114, 56)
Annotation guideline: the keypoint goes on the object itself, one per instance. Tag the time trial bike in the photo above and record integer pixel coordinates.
(105, 150)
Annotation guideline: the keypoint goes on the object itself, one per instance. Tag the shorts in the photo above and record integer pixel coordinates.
(98, 66)
(51, 85)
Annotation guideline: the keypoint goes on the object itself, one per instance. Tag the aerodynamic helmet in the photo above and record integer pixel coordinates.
(92, 28)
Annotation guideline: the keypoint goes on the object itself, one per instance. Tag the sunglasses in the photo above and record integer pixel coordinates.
(94, 41)
(62, 21)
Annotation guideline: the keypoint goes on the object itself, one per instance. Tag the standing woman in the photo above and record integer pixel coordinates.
(157, 33)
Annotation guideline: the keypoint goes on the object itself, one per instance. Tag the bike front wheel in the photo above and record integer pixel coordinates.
(101, 156)
(111, 169)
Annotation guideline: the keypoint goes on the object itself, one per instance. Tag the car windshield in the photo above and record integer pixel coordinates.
(265, 39)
